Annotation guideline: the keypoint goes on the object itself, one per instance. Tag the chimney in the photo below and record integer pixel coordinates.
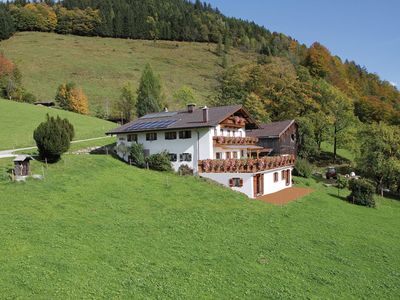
(205, 114)
(190, 107)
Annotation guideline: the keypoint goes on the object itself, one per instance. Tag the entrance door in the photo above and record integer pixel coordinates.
(258, 185)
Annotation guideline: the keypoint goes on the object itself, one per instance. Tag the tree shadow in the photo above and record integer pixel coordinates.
(325, 159)
(340, 197)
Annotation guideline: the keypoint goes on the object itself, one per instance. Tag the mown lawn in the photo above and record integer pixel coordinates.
(103, 65)
(97, 228)
(19, 120)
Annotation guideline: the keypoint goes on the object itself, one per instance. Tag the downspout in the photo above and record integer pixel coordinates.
(196, 167)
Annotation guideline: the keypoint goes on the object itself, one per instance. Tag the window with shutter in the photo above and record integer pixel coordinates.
(276, 177)
(231, 182)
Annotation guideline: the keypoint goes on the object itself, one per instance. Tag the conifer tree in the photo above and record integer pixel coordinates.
(219, 46)
(149, 97)
(7, 28)
(53, 138)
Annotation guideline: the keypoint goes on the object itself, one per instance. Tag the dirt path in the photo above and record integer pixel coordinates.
(285, 196)
(10, 152)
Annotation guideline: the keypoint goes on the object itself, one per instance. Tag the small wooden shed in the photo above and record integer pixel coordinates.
(22, 165)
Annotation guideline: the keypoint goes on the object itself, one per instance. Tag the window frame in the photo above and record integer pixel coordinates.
(185, 134)
(173, 157)
(236, 182)
(151, 134)
(132, 137)
(187, 157)
(276, 177)
(173, 133)
(218, 154)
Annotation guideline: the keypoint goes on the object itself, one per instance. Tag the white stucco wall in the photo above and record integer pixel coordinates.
(272, 187)
(269, 185)
(223, 178)
(200, 146)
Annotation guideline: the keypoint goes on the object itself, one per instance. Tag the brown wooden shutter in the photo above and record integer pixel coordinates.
(241, 182)
(231, 182)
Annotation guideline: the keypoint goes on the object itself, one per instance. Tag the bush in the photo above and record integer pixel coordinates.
(159, 162)
(53, 138)
(28, 98)
(137, 155)
(185, 170)
(341, 183)
(303, 168)
(362, 192)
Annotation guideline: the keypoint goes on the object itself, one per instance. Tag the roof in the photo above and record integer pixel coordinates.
(23, 158)
(271, 130)
(180, 119)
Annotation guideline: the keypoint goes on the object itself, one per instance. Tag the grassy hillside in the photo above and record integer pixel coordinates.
(19, 120)
(103, 65)
(114, 237)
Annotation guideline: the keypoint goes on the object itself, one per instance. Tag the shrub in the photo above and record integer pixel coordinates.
(362, 192)
(341, 183)
(185, 170)
(159, 162)
(53, 138)
(137, 155)
(303, 168)
(28, 97)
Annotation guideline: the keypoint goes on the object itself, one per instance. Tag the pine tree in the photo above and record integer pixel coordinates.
(219, 46)
(53, 138)
(227, 43)
(7, 28)
(149, 97)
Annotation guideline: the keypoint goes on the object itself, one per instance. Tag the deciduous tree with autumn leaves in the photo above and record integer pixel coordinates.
(72, 98)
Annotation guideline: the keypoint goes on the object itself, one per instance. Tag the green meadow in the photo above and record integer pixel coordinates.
(102, 66)
(98, 228)
(19, 120)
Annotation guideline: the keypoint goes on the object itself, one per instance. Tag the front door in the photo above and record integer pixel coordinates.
(258, 185)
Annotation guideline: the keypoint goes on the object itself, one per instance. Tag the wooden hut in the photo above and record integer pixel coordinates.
(22, 165)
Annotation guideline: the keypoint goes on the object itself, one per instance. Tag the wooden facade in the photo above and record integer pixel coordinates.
(286, 142)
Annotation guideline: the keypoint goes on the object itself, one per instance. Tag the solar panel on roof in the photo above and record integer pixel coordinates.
(151, 125)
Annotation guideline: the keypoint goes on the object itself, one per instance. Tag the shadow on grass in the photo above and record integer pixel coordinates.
(325, 159)
(340, 197)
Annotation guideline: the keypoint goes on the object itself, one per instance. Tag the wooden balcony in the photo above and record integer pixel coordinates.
(250, 165)
(228, 140)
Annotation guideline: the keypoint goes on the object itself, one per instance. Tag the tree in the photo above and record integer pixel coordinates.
(255, 107)
(219, 46)
(379, 157)
(125, 106)
(72, 98)
(227, 43)
(149, 98)
(184, 95)
(341, 113)
(7, 27)
(53, 138)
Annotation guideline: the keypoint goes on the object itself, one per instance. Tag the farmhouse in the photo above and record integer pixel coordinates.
(280, 137)
(212, 142)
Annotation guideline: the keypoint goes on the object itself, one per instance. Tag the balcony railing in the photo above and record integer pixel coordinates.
(228, 140)
(249, 165)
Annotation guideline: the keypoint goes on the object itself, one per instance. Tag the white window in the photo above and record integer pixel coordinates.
(170, 135)
(187, 134)
(132, 137)
(151, 136)
(236, 182)
(173, 157)
(185, 157)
